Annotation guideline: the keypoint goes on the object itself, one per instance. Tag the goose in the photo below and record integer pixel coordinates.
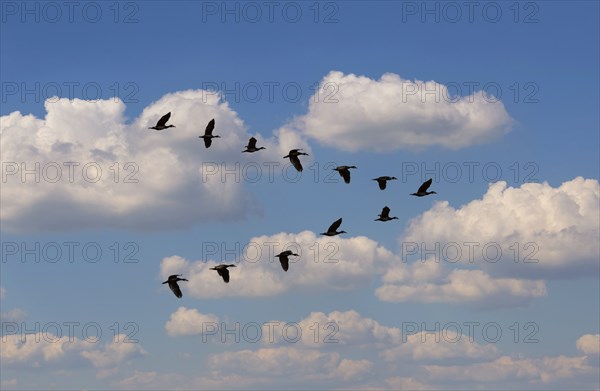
(208, 136)
(332, 230)
(344, 172)
(223, 272)
(284, 259)
(251, 147)
(382, 181)
(423, 189)
(293, 155)
(172, 281)
(161, 124)
(385, 215)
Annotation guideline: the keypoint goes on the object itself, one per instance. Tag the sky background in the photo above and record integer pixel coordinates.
(415, 90)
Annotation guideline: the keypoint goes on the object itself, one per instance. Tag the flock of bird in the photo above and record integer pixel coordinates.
(293, 155)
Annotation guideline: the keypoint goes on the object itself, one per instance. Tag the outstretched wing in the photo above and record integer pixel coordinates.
(285, 264)
(209, 128)
(163, 120)
(207, 141)
(382, 183)
(335, 225)
(345, 174)
(224, 273)
(296, 162)
(425, 186)
(252, 143)
(175, 288)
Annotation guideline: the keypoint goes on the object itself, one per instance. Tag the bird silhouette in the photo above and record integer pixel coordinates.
(382, 181)
(284, 259)
(223, 272)
(423, 189)
(293, 155)
(344, 172)
(385, 215)
(172, 281)
(251, 147)
(161, 124)
(208, 136)
(332, 230)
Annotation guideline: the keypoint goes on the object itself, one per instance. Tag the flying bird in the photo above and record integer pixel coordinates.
(284, 259)
(382, 181)
(293, 155)
(172, 281)
(423, 189)
(385, 215)
(332, 230)
(222, 270)
(344, 171)
(162, 123)
(251, 147)
(208, 136)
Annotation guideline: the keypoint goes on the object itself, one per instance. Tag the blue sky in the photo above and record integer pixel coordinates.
(348, 86)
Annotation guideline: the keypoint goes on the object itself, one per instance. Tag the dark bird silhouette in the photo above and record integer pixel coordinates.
(172, 281)
(284, 259)
(162, 123)
(382, 181)
(251, 147)
(423, 189)
(385, 215)
(332, 230)
(222, 270)
(293, 155)
(208, 136)
(344, 171)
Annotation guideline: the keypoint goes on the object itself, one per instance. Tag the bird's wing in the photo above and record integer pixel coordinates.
(425, 186)
(207, 142)
(175, 288)
(382, 183)
(225, 274)
(335, 225)
(252, 143)
(385, 212)
(345, 174)
(163, 120)
(296, 162)
(209, 127)
(284, 263)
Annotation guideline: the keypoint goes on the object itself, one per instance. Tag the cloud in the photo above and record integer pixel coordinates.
(14, 315)
(438, 284)
(589, 344)
(324, 264)
(533, 371)
(128, 176)
(45, 350)
(353, 113)
(189, 322)
(537, 230)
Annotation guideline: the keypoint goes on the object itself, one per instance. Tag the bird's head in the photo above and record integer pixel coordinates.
(231, 265)
(432, 192)
(213, 268)
(393, 178)
(343, 232)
